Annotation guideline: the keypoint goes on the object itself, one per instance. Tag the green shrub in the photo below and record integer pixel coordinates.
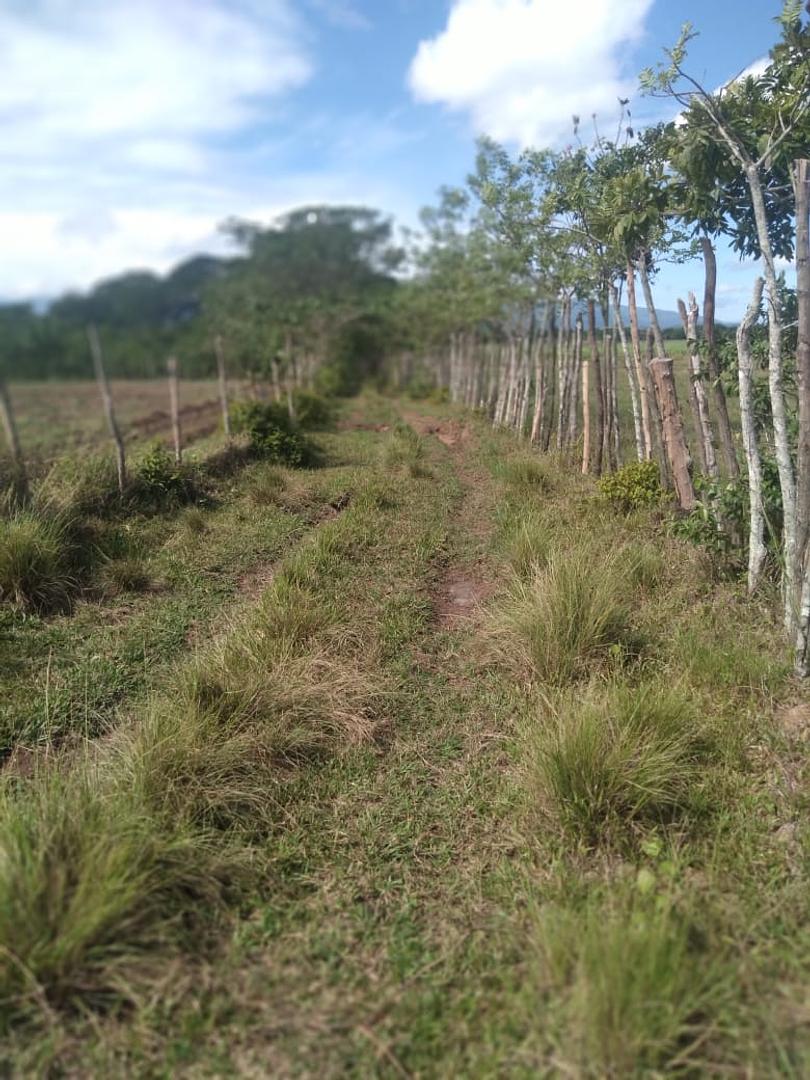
(160, 480)
(272, 433)
(36, 562)
(634, 486)
(313, 412)
(615, 757)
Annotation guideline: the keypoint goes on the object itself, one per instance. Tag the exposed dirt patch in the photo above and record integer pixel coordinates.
(449, 432)
(460, 595)
(196, 421)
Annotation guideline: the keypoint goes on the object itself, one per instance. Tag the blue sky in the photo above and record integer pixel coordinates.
(132, 127)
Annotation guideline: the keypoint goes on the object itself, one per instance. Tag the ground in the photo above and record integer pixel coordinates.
(424, 901)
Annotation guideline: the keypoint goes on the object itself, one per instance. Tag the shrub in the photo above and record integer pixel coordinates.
(36, 562)
(81, 484)
(313, 412)
(271, 432)
(618, 756)
(160, 480)
(569, 615)
(634, 486)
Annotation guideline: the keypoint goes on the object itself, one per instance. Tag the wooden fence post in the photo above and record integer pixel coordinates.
(672, 431)
(223, 385)
(13, 440)
(174, 403)
(107, 401)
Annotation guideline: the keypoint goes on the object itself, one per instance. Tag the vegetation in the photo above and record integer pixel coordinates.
(455, 729)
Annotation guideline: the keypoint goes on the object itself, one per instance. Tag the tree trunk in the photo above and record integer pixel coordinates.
(672, 427)
(223, 385)
(655, 417)
(801, 188)
(628, 367)
(572, 433)
(720, 404)
(107, 401)
(586, 413)
(174, 403)
(20, 477)
(643, 382)
(756, 521)
(593, 345)
(784, 462)
(697, 396)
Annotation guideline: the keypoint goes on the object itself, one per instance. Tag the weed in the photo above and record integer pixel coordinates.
(405, 449)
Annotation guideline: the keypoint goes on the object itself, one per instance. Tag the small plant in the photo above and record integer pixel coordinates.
(36, 562)
(529, 544)
(636, 989)
(633, 487)
(271, 432)
(571, 615)
(159, 479)
(524, 471)
(267, 487)
(128, 574)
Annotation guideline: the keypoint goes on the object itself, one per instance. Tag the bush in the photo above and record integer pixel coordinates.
(313, 412)
(620, 756)
(36, 562)
(634, 486)
(160, 480)
(271, 432)
(571, 614)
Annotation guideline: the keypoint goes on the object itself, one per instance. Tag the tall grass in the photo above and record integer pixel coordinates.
(96, 891)
(570, 615)
(36, 561)
(628, 987)
(405, 449)
(601, 762)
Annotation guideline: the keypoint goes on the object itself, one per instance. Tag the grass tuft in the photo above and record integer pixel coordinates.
(35, 562)
(570, 615)
(635, 990)
(622, 756)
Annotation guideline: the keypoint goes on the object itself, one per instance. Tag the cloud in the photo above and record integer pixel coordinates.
(521, 68)
(120, 121)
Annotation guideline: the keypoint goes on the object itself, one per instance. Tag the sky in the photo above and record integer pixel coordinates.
(132, 128)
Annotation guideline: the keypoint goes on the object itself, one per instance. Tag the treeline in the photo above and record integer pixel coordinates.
(313, 283)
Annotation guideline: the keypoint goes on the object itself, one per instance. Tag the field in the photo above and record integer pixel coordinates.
(57, 416)
(422, 761)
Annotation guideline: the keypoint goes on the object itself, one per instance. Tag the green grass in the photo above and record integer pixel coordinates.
(367, 843)
(37, 562)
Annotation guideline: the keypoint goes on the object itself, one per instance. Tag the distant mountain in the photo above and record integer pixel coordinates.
(669, 320)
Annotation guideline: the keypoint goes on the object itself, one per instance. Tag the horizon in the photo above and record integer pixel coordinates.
(133, 132)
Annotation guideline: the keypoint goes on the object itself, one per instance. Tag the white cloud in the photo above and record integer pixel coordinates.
(521, 68)
(116, 120)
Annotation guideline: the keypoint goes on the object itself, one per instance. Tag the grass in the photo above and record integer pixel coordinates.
(603, 762)
(37, 564)
(366, 843)
(570, 616)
